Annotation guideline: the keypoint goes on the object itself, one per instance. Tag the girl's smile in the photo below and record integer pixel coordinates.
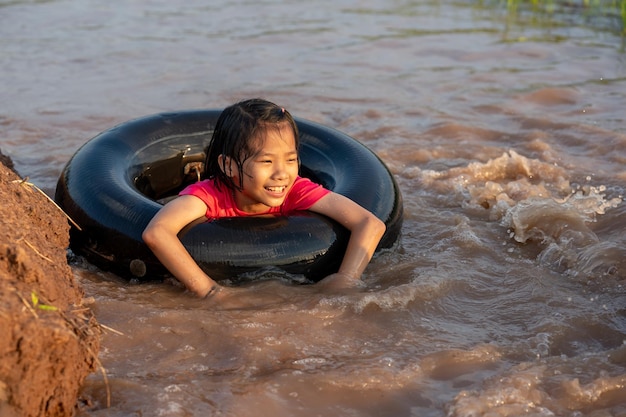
(269, 173)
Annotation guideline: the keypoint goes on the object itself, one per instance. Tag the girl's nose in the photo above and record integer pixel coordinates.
(280, 170)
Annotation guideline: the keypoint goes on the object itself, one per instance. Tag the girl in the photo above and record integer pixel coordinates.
(251, 169)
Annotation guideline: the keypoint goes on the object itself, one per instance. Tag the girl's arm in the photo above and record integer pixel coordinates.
(161, 236)
(366, 230)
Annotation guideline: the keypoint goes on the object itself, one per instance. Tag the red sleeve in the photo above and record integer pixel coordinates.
(303, 195)
(209, 194)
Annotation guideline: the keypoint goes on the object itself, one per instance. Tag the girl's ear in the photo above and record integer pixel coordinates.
(226, 165)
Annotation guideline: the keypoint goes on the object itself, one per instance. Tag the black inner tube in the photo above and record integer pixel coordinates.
(117, 181)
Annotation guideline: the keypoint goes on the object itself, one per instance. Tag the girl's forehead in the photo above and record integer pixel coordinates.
(275, 136)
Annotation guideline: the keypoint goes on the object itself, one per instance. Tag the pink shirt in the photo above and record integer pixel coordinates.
(221, 202)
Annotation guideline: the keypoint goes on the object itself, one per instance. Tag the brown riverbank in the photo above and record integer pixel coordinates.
(50, 338)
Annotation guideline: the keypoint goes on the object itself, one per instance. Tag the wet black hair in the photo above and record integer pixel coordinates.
(235, 134)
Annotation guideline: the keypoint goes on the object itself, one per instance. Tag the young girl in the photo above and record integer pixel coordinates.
(251, 169)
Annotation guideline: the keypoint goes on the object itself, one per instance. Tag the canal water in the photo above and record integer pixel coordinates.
(506, 132)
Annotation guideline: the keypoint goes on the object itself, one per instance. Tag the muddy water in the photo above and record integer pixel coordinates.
(506, 295)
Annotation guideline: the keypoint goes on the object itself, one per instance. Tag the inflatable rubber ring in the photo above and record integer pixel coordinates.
(116, 182)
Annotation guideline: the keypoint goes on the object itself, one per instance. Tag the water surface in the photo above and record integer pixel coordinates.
(506, 294)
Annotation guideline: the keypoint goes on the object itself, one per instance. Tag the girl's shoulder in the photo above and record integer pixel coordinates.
(303, 184)
(304, 193)
(218, 199)
(200, 188)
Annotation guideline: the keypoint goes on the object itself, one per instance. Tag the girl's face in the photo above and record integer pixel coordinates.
(269, 174)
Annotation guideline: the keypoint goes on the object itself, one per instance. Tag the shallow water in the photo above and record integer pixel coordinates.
(506, 295)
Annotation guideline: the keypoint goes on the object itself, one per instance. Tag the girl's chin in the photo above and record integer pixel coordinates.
(263, 201)
(275, 202)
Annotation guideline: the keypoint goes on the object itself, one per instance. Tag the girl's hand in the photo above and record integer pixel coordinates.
(340, 281)
(217, 294)
(366, 230)
(246, 297)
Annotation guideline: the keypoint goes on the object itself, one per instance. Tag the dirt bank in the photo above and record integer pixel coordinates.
(49, 339)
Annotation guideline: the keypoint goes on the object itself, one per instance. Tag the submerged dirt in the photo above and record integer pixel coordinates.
(50, 338)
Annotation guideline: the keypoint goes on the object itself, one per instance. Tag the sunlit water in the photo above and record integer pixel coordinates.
(506, 295)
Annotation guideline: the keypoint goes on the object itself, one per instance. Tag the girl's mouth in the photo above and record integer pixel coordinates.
(277, 190)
